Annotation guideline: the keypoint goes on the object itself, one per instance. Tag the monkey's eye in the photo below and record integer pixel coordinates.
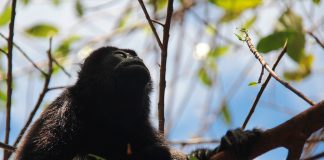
(121, 54)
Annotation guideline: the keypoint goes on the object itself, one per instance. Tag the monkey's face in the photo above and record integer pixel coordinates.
(119, 69)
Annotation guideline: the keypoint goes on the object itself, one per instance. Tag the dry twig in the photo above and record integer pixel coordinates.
(264, 85)
(42, 94)
(272, 73)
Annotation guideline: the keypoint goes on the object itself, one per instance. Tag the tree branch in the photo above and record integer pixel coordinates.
(302, 125)
(272, 73)
(316, 39)
(7, 147)
(149, 20)
(264, 85)
(42, 94)
(164, 55)
(25, 55)
(9, 75)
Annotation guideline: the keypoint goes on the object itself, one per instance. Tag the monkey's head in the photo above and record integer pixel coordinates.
(111, 69)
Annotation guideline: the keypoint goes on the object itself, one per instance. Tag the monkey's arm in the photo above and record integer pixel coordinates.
(52, 136)
(236, 141)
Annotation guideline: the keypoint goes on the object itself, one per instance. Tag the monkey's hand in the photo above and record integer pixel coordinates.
(239, 142)
(236, 141)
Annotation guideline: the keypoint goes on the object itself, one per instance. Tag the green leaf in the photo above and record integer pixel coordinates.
(193, 158)
(249, 22)
(272, 42)
(297, 75)
(218, 51)
(236, 5)
(123, 20)
(289, 21)
(240, 37)
(42, 30)
(229, 16)
(56, 2)
(204, 77)
(3, 96)
(304, 69)
(211, 30)
(79, 8)
(296, 45)
(317, 2)
(253, 84)
(5, 16)
(64, 47)
(159, 4)
(226, 114)
(25, 2)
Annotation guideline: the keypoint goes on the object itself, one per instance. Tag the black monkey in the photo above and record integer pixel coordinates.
(106, 109)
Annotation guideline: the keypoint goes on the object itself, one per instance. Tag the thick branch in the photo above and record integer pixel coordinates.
(302, 125)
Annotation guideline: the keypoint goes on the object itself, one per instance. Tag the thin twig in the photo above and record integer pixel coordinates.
(42, 94)
(274, 74)
(9, 75)
(261, 75)
(264, 85)
(55, 88)
(157, 22)
(195, 141)
(62, 68)
(25, 55)
(7, 147)
(316, 39)
(150, 23)
(3, 51)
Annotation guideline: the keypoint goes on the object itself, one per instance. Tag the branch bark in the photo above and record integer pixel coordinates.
(164, 53)
(272, 73)
(9, 75)
(48, 76)
(302, 125)
(264, 85)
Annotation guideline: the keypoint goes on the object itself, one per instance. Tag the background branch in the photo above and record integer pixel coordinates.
(41, 96)
(9, 75)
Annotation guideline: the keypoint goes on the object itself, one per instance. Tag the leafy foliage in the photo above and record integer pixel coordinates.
(234, 8)
(42, 30)
(79, 8)
(226, 114)
(253, 84)
(204, 77)
(5, 16)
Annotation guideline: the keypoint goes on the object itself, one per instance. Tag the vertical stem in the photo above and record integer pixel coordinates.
(164, 55)
(9, 75)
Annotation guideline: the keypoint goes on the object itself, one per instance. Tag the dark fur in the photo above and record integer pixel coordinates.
(106, 109)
